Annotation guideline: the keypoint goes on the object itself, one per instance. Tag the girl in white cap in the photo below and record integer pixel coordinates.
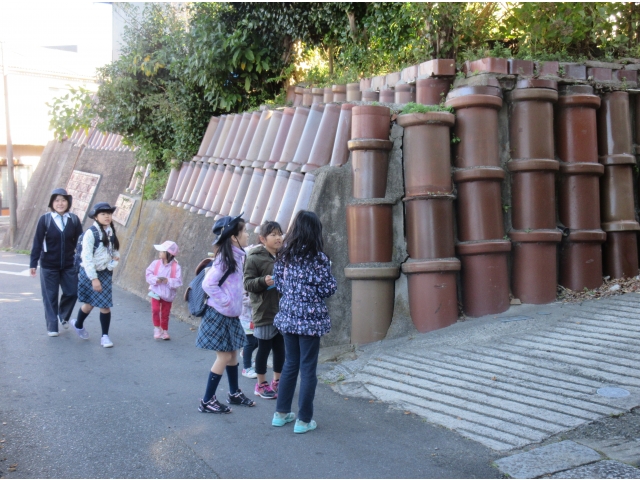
(164, 277)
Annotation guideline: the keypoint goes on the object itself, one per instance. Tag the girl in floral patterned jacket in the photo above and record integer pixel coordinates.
(302, 274)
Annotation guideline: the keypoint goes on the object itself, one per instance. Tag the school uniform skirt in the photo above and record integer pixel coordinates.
(220, 333)
(86, 293)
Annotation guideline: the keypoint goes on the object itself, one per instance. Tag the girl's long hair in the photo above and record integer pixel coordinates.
(225, 249)
(105, 237)
(304, 238)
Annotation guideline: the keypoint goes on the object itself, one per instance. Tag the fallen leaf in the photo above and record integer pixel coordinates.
(371, 401)
(407, 412)
(192, 329)
(346, 398)
(494, 378)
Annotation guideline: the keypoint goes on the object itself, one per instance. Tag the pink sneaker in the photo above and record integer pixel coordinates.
(157, 331)
(274, 385)
(165, 335)
(264, 390)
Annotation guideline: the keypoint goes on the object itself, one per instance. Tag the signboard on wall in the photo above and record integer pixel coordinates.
(82, 186)
(124, 207)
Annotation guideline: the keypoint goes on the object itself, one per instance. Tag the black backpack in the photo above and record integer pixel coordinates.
(48, 217)
(77, 258)
(195, 294)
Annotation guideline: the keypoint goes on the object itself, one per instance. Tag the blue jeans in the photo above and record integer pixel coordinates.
(250, 345)
(301, 355)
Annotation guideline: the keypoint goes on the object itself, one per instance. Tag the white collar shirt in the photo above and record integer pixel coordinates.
(61, 220)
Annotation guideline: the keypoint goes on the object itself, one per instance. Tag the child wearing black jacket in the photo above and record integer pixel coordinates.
(54, 247)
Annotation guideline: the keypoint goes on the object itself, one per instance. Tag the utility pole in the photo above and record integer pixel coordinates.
(13, 203)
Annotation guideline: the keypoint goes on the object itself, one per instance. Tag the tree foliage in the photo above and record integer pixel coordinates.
(182, 63)
(70, 112)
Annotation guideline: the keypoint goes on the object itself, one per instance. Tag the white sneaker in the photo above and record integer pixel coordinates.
(106, 342)
(82, 333)
(64, 322)
(249, 372)
(52, 334)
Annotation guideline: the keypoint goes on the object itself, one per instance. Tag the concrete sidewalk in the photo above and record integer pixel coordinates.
(71, 409)
(518, 380)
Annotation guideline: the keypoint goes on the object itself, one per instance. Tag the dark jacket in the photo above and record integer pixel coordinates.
(264, 303)
(61, 246)
(304, 283)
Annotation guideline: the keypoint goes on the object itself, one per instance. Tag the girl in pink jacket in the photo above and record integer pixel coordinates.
(220, 329)
(164, 277)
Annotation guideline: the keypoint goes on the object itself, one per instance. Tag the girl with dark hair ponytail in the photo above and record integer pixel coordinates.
(106, 238)
(99, 257)
(220, 329)
(302, 274)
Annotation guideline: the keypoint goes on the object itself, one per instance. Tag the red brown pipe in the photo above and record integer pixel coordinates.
(533, 167)
(369, 167)
(579, 190)
(426, 152)
(433, 299)
(370, 233)
(616, 202)
(482, 251)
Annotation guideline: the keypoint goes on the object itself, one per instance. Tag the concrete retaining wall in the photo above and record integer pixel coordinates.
(152, 222)
(54, 170)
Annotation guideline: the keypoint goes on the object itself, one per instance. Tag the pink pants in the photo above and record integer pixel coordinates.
(160, 310)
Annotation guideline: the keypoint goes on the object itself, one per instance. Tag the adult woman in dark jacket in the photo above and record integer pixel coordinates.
(54, 246)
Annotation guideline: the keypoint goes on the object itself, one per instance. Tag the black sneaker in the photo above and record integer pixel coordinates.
(213, 406)
(239, 398)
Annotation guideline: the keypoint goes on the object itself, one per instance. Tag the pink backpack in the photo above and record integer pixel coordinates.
(174, 266)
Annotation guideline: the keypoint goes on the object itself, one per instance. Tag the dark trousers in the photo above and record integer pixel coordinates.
(276, 344)
(51, 282)
(301, 356)
(250, 344)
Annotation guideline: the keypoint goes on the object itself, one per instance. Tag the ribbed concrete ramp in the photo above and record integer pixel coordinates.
(515, 386)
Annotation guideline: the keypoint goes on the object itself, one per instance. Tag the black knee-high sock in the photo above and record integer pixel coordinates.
(212, 385)
(81, 318)
(105, 321)
(232, 376)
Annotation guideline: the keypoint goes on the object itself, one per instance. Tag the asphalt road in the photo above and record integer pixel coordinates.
(71, 409)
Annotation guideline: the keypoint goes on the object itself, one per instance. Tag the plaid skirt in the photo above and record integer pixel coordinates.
(220, 333)
(86, 293)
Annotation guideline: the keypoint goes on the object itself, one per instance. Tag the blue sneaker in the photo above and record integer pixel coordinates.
(303, 427)
(281, 419)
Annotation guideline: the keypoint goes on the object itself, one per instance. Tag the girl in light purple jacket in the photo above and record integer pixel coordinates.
(164, 277)
(220, 329)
